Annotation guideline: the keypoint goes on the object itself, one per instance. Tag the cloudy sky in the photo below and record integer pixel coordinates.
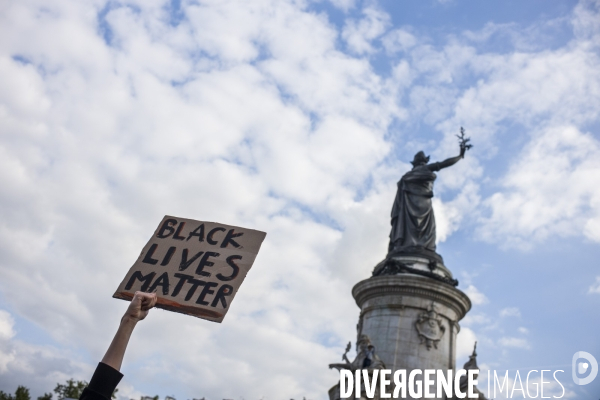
(295, 117)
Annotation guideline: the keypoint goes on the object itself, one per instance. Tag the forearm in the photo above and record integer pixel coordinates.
(116, 350)
(449, 162)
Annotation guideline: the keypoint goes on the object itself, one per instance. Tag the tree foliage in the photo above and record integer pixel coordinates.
(72, 389)
(22, 393)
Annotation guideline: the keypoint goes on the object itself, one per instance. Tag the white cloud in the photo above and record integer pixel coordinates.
(530, 89)
(510, 312)
(475, 319)
(450, 214)
(595, 287)
(192, 120)
(513, 342)
(475, 295)
(465, 340)
(6, 325)
(398, 40)
(586, 23)
(359, 34)
(37, 367)
(344, 5)
(551, 190)
(6, 333)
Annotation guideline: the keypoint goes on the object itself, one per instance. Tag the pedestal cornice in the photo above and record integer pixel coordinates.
(412, 286)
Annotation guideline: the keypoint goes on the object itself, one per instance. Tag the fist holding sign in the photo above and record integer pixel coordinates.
(195, 267)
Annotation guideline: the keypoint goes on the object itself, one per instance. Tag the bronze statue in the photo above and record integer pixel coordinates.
(471, 365)
(366, 358)
(413, 223)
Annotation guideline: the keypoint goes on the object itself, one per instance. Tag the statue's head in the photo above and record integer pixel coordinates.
(420, 159)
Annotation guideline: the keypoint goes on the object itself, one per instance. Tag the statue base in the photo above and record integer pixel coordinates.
(416, 251)
(411, 320)
(416, 264)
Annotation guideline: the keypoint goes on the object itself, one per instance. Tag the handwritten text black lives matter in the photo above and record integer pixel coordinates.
(195, 267)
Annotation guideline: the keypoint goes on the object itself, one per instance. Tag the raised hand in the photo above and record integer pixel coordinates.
(140, 305)
(137, 311)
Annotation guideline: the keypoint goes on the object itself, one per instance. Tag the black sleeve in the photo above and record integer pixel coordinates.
(103, 383)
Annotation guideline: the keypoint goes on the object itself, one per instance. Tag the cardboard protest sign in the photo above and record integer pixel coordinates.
(195, 267)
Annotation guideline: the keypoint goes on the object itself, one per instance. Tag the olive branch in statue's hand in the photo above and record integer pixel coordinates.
(463, 142)
(348, 347)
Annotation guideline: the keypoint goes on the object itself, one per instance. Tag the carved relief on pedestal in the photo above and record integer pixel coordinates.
(430, 327)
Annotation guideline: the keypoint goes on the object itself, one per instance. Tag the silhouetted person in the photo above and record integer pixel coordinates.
(107, 375)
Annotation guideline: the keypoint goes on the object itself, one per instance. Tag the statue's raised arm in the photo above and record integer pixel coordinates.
(464, 146)
(413, 222)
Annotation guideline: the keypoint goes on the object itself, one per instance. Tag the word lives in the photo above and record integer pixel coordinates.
(195, 267)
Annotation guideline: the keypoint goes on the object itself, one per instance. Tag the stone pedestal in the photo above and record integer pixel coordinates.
(412, 320)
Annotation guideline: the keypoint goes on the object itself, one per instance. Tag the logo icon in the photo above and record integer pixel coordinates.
(580, 368)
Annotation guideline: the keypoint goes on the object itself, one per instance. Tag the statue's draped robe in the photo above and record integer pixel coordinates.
(413, 223)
